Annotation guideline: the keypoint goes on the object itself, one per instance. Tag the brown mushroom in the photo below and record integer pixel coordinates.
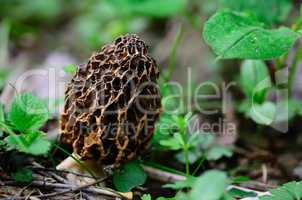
(112, 104)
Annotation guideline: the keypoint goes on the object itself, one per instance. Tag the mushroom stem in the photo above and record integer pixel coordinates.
(72, 163)
(75, 164)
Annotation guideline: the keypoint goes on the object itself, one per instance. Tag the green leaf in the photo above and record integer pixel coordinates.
(263, 113)
(236, 192)
(130, 176)
(22, 176)
(240, 179)
(278, 13)
(153, 8)
(146, 197)
(210, 186)
(174, 143)
(70, 69)
(227, 196)
(200, 139)
(235, 35)
(31, 143)
(218, 151)
(255, 80)
(193, 156)
(39, 147)
(178, 185)
(289, 191)
(28, 112)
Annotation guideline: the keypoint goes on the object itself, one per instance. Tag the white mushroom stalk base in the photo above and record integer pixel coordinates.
(80, 176)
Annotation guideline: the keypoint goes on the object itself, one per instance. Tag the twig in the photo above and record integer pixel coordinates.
(52, 174)
(85, 188)
(161, 175)
(61, 171)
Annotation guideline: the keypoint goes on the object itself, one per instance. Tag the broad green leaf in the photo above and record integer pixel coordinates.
(295, 188)
(39, 147)
(153, 8)
(31, 143)
(70, 69)
(289, 191)
(130, 176)
(28, 112)
(210, 186)
(22, 176)
(263, 113)
(218, 151)
(278, 13)
(254, 80)
(235, 35)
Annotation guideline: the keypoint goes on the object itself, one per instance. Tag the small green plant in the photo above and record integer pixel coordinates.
(130, 176)
(212, 185)
(249, 35)
(174, 135)
(21, 125)
(289, 191)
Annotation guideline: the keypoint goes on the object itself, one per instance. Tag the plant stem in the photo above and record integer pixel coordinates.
(168, 74)
(186, 152)
(203, 158)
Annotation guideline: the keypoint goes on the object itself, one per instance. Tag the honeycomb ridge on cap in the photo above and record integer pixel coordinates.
(106, 115)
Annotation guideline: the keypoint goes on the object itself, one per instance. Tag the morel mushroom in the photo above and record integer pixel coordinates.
(112, 103)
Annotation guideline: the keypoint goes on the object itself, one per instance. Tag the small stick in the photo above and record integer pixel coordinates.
(161, 175)
(62, 171)
(103, 191)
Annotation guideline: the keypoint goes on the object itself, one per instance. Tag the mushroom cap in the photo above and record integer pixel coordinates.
(112, 103)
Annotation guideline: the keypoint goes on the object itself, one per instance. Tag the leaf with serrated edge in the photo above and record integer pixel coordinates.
(235, 35)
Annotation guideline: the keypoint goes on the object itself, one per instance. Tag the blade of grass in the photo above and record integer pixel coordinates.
(172, 59)
(82, 164)
(203, 158)
(162, 167)
(4, 38)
